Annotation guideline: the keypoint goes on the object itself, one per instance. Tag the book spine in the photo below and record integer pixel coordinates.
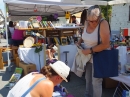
(56, 41)
(44, 24)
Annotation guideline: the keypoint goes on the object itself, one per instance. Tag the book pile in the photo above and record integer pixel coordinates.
(47, 24)
(15, 77)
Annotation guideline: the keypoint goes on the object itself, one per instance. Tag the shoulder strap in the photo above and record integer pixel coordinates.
(33, 86)
(99, 30)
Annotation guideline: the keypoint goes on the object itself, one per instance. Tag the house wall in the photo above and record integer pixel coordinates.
(120, 17)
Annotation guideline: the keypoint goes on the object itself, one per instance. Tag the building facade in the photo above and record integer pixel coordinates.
(120, 17)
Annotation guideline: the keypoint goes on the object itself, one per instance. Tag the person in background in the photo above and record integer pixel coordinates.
(90, 38)
(49, 76)
(18, 37)
(1, 34)
(82, 20)
(11, 29)
(83, 16)
(73, 20)
(15, 24)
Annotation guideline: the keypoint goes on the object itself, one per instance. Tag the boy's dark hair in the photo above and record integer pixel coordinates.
(73, 16)
(11, 24)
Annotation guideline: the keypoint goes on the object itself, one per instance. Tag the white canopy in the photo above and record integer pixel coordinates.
(47, 7)
(43, 2)
(68, 2)
(44, 7)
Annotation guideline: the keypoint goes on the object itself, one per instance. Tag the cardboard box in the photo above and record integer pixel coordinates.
(27, 68)
(109, 83)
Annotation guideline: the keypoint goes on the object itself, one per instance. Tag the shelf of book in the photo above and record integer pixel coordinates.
(60, 32)
(50, 28)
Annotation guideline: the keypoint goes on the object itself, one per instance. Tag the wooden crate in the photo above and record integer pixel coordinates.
(27, 68)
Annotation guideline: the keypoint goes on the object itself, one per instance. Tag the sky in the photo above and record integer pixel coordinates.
(2, 6)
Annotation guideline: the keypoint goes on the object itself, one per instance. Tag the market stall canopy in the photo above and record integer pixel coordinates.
(104, 2)
(43, 7)
(54, 2)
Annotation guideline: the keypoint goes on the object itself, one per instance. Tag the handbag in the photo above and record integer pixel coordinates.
(105, 62)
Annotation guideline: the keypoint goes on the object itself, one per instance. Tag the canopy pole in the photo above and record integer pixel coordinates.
(6, 31)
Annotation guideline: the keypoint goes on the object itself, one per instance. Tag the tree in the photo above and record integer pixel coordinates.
(106, 11)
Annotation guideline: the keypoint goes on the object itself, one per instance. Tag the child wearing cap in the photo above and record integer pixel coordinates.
(41, 84)
(50, 52)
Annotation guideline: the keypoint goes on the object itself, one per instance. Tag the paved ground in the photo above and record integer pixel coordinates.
(76, 86)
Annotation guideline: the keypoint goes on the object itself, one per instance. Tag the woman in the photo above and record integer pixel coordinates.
(18, 37)
(51, 76)
(11, 30)
(90, 38)
(83, 16)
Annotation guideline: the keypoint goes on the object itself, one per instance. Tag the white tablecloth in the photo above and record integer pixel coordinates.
(28, 55)
(123, 79)
(70, 56)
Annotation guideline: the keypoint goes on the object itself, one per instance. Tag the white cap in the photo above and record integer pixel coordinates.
(55, 48)
(61, 69)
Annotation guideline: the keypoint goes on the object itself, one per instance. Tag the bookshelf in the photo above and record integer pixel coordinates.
(48, 30)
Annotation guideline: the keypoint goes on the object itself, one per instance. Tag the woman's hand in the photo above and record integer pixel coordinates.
(86, 51)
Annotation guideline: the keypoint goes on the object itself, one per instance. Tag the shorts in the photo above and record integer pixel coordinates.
(10, 41)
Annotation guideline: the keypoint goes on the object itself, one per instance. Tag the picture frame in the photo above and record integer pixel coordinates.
(64, 41)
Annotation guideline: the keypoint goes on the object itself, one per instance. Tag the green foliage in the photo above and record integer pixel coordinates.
(38, 49)
(106, 11)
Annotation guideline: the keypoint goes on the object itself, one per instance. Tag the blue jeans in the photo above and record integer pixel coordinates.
(93, 85)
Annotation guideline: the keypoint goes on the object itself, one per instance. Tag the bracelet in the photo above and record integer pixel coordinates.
(91, 49)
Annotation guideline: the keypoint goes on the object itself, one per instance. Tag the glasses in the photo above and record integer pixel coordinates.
(93, 20)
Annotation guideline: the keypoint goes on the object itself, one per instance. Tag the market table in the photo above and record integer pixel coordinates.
(123, 79)
(123, 85)
(28, 55)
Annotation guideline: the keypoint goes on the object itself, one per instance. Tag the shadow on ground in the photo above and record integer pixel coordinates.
(4, 77)
(77, 86)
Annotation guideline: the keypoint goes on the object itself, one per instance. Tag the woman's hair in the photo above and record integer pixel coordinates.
(48, 71)
(11, 24)
(83, 16)
(94, 12)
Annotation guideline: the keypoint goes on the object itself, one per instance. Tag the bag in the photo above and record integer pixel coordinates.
(9, 34)
(105, 62)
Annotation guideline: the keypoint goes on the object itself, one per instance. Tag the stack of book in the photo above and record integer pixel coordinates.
(15, 77)
(47, 24)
